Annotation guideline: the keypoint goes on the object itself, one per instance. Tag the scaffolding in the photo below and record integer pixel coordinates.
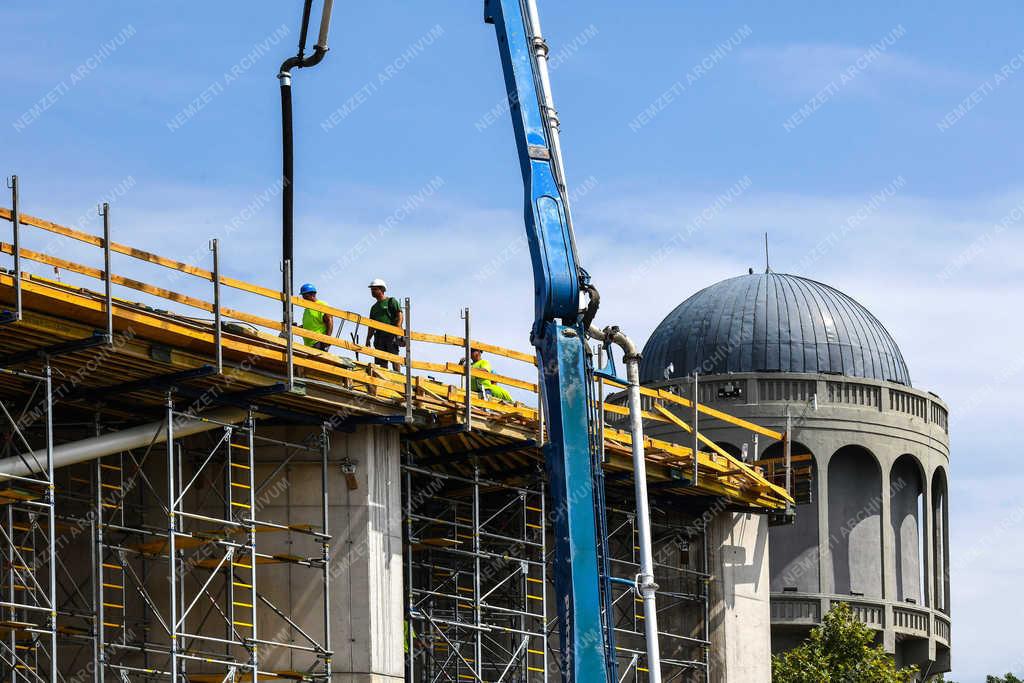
(28, 626)
(179, 575)
(475, 578)
(478, 573)
(159, 565)
(682, 574)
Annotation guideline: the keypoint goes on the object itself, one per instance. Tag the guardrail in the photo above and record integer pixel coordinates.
(399, 382)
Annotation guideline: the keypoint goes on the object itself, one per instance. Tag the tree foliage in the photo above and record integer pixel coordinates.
(840, 650)
(1008, 678)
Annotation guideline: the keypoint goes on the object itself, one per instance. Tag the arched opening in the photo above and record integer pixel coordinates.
(906, 487)
(940, 539)
(855, 522)
(793, 550)
(734, 451)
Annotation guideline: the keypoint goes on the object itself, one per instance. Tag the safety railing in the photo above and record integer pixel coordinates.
(397, 382)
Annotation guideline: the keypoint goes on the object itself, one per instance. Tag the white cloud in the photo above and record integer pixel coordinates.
(803, 69)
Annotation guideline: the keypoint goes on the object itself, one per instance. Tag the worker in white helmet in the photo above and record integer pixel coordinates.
(386, 309)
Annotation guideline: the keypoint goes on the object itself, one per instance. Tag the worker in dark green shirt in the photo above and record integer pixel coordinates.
(385, 310)
(315, 321)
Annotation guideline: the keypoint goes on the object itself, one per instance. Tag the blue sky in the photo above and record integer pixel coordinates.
(882, 187)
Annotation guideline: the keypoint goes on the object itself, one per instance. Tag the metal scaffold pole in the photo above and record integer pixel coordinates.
(12, 184)
(468, 370)
(408, 361)
(108, 299)
(51, 520)
(172, 578)
(217, 324)
(325, 546)
(97, 564)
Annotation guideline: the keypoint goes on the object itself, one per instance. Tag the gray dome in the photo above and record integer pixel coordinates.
(771, 322)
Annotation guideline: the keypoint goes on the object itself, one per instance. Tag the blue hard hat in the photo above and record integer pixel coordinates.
(308, 288)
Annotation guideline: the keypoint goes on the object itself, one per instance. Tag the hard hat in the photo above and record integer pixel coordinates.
(308, 288)
(379, 283)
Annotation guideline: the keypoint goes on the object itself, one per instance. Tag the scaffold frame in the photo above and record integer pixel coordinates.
(27, 528)
(475, 577)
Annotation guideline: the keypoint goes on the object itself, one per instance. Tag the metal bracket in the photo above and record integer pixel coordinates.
(608, 371)
(98, 339)
(161, 382)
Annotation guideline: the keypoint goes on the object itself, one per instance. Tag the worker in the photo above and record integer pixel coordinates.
(486, 386)
(385, 309)
(314, 320)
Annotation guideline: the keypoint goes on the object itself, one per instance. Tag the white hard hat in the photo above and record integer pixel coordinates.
(379, 283)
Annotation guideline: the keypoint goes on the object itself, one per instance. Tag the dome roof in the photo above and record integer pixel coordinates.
(771, 322)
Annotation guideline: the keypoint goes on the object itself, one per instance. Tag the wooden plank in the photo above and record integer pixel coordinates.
(703, 408)
(737, 464)
(781, 460)
(451, 340)
(114, 278)
(457, 369)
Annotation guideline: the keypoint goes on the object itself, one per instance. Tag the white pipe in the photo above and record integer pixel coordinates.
(325, 25)
(645, 584)
(547, 103)
(117, 442)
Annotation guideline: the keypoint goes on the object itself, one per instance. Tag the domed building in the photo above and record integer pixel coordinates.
(871, 452)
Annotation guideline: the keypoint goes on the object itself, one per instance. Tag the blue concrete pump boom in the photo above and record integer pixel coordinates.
(559, 334)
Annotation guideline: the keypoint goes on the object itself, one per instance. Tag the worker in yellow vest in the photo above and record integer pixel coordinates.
(315, 321)
(486, 386)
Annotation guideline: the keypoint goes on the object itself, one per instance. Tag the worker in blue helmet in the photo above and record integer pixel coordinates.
(314, 320)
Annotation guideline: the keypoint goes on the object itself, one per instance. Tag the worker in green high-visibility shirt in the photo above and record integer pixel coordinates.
(486, 386)
(315, 321)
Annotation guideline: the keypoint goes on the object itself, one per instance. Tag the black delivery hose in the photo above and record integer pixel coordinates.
(284, 75)
(287, 196)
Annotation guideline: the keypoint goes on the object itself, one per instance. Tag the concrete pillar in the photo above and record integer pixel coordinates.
(366, 567)
(366, 523)
(825, 574)
(888, 551)
(929, 563)
(740, 616)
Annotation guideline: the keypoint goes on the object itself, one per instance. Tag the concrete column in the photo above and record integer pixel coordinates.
(366, 573)
(888, 551)
(367, 592)
(825, 571)
(929, 563)
(740, 617)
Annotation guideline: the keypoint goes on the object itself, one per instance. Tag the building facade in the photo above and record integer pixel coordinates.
(871, 527)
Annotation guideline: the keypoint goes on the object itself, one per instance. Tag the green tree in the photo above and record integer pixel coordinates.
(840, 650)
(1008, 678)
